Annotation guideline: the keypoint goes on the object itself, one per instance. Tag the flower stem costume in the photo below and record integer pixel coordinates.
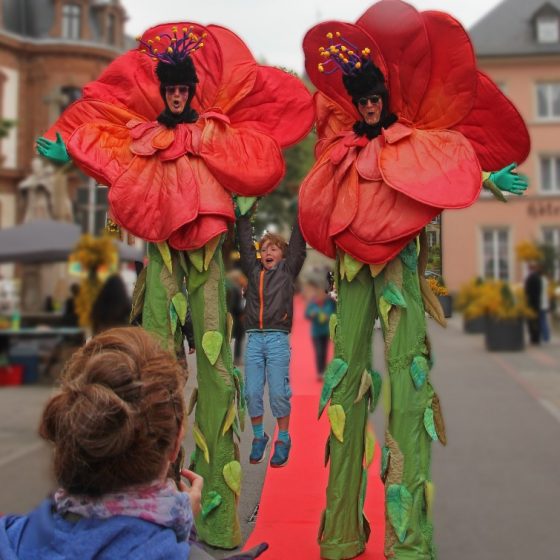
(171, 176)
(365, 202)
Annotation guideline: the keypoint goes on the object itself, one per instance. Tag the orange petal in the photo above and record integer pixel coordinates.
(196, 234)
(164, 138)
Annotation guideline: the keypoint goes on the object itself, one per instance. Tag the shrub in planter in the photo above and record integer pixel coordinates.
(474, 325)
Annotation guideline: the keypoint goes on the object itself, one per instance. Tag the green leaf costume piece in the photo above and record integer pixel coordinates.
(245, 203)
(365, 386)
(370, 446)
(212, 344)
(376, 387)
(429, 492)
(429, 423)
(352, 267)
(384, 308)
(385, 458)
(409, 256)
(336, 370)
(337, 418)
(213, 500)
(165, 252)
(230, 417)
(192, 401)
(200, 441)
(180, 304)
(197, 259)
(399, 506)
(419, 370)
(232, 476)
(392, 295)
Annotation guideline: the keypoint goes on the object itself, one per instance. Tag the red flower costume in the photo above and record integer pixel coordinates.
(371, 197)
(176, 184)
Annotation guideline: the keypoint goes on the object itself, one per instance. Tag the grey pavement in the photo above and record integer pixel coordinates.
(497, 481)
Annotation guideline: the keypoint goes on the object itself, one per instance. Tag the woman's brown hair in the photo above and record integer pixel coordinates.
(117, 415)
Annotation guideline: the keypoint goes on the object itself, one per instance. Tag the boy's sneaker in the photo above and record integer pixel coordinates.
(258, 449)
(281, 453)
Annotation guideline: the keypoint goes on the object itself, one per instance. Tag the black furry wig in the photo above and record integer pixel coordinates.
(365, 81)
(182, 73)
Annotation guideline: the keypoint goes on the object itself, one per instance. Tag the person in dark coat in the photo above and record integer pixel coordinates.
(112, 306)
(533, 289)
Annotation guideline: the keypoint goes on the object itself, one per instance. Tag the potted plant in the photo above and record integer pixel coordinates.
(440, 290)
(505, 312)
(467, 296)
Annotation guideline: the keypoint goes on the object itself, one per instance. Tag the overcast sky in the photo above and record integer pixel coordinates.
(274, 29)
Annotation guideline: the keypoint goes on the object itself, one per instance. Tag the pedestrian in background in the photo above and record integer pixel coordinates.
(112, 306)
(533, 294)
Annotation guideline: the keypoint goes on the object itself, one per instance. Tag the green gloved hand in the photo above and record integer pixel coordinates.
(54, 151)
(508, 181)
(244, 205)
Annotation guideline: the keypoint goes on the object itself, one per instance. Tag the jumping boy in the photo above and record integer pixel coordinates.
(268, 320)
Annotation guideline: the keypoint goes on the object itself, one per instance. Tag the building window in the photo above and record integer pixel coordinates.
(495, 252)
(69, 95)
(548, 101)
(91, 207)
(71, 21)
(551, 237)
(549, 169)
(547, 30)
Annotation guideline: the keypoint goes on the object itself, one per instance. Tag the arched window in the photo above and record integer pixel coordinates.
(71, 21)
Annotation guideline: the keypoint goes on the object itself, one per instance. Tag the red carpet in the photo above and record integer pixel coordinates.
(294, 497)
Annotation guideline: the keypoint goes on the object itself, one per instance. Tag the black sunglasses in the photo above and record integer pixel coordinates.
(183, 90)
(363, 101)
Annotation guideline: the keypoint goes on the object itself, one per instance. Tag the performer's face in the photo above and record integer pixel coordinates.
(176, 98)
(370, 107)
(271, 255)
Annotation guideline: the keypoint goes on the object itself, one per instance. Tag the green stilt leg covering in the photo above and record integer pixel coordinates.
(344, 530)
(414, 416)
(219, 404)
(159, 298)
(411, 425)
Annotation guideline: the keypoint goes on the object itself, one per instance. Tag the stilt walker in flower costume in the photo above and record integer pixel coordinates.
(175, 128)
(403, 134)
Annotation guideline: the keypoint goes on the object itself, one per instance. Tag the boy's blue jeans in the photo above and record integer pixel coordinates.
(267, 358)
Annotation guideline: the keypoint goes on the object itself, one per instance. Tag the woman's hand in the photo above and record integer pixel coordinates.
(194, 490)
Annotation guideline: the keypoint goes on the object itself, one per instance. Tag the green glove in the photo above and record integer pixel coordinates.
(508, 181)
(55, 151)
(244, 205)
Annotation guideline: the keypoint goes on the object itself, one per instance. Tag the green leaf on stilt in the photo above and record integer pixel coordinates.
(365, 386)
(369, 445)
(385, 458)
(337, 418)
(173, 317)
(236, 428)
(384, 308)
(429, 423)
(213, 500)
(197, 259)
(429, 491)
(333, 322)
(245, 203)
(165, 253)
(200, 441)
(210, 249)
(398, 502)
(438, 420)
(419, 370)
(195, 279)
(180, 304)
(393, 295)
(376, 269)
(327, 450)
(352, 267)
(376, 385)
(212, 344)
(230, 417)
(409, 256)
(192, 401)
(229, 326)
(336, 370)
(232, 476)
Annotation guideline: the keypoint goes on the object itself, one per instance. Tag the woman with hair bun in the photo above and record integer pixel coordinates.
(116, 427)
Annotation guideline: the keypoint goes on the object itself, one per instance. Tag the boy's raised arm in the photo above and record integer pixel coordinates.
(296, 254)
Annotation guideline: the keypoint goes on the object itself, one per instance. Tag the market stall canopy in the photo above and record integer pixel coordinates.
(47, 241)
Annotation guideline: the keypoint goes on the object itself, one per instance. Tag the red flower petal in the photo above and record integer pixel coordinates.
(245, 161)
(152, 198)
(214, 199)
(279, 105)
(196, 234)
(495, 128)
(331, 118)
(452, 86)
(436, 167)
(399, 30)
